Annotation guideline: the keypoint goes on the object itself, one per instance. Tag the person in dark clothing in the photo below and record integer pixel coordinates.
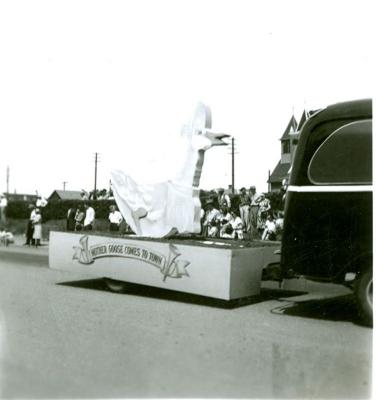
(71, 222)
(30, 227)
(79, 218)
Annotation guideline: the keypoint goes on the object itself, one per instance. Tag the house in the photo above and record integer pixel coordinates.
(289, 141)
(32, 198)
(65, 195)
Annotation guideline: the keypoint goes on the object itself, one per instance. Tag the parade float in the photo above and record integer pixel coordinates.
(166, 250)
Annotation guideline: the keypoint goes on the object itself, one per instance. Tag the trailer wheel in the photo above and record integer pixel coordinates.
(364, 295)
(115, 286)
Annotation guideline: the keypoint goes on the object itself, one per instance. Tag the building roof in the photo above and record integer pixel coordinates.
(67, 194)
(280, 172)
(20, 195)
(303, 118)
(291, 126)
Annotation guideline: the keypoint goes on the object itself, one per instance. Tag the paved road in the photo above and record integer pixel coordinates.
(63, 335)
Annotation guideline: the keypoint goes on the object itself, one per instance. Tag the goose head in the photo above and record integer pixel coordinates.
(199, 133)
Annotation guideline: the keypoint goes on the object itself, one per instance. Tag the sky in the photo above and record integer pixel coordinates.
(120, 78)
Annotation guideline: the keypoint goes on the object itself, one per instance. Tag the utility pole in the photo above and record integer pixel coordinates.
(233, 165)
(64, 183)
(8, 179)
(233, 152)
(95, 177)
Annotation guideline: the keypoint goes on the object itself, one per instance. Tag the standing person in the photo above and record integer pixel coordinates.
(84, 195)
(30, 227)
(223, 199)
(254, 208)
(263, 212)
(244, 209)
(71, 222)
(89, 217)
(79, 218)
(3, 207)
(37, 224)
(115, 218)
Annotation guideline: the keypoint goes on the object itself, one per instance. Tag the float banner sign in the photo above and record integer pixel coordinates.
(168, 265)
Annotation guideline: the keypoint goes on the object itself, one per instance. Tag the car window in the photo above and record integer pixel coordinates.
(345, 157)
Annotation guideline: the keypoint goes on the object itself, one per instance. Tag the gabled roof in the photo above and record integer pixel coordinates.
(67, 194)
(303, 118)
(280, 172)
(291, 126)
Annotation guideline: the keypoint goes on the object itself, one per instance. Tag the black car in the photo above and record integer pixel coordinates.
(328, 211)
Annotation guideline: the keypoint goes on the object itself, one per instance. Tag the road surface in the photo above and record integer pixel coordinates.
(63, 335)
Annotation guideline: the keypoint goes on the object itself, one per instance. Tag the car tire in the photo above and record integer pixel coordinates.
(363, 296)
(115, 286)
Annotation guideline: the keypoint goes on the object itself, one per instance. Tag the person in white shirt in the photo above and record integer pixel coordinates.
(37, 224)
(234, 228)
(270, 229)
(41, 202)
(6, 238)
(237, 225)
(279, 226)
(115, 218)
(224, 218)
(30, 227)
(89, 218)
(3, 206)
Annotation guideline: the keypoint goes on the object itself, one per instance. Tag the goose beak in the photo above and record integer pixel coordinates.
(216, 138)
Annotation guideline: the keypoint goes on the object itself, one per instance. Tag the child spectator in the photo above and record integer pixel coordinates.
(6, 238)
(270, 229)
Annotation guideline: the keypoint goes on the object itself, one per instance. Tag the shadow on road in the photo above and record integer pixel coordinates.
(338, 308)
(165, 294)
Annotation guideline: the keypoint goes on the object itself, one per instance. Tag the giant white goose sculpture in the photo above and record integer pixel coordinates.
(173, 206)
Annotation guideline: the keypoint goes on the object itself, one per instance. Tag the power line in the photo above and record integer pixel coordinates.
(8, 179)
(96, 160)
(232, 153)
(232, 165)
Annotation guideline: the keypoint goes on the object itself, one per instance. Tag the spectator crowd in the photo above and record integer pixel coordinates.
(246, 215)
(82, 218)
(251, 217)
